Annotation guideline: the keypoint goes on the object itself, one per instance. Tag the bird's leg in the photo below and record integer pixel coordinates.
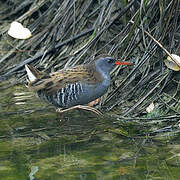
(88, 108)
(95, 102)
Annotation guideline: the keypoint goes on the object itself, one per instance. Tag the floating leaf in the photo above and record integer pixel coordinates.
(150, 108)
(171, 64)
(17, 31)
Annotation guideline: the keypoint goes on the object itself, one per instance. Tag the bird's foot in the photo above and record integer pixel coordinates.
(94, 103)
(88, 108)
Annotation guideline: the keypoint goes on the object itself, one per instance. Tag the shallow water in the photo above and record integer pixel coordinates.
(36, 143)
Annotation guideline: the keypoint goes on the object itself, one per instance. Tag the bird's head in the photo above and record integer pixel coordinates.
(106, 63)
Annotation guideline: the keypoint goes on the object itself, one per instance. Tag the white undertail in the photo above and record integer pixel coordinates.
(31, 76)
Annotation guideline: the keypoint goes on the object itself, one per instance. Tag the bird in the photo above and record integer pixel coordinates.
(73, 87)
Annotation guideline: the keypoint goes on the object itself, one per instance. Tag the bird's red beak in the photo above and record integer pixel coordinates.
(123, 63)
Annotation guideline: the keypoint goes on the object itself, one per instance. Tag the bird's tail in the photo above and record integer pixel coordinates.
(33, 73)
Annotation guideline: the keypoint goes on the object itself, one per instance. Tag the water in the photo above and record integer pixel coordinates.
(36, 143)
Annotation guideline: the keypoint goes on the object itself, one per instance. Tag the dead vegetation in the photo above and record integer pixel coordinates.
(69, 32)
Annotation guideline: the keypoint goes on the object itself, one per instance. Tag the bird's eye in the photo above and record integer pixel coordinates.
(110, 61)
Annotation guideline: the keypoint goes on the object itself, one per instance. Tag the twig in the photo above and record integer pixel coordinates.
(160, 45)
(30, 60)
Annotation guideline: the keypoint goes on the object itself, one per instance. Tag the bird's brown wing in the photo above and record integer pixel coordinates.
(53, 82)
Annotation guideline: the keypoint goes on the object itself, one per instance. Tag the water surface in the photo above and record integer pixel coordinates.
(36, 143)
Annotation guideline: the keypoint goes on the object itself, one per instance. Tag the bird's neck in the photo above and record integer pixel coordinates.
(104, 74)
(98, 73)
